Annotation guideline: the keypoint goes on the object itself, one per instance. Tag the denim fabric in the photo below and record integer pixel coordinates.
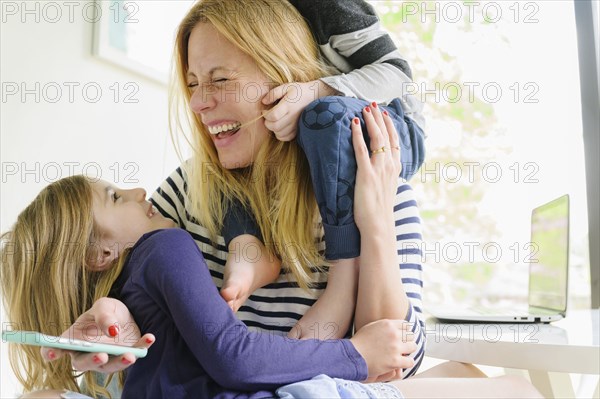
(323, 386)
(325, 135)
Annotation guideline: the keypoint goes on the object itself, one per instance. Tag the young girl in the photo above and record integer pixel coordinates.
(79, 239)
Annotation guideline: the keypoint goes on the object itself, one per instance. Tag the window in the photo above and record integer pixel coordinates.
(501, 85)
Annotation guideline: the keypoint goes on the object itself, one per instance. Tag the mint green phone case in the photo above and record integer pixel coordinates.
(39, 339)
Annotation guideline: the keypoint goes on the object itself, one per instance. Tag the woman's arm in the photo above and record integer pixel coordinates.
(390, 272)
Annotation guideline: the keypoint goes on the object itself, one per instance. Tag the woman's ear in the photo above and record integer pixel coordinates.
(102, 257)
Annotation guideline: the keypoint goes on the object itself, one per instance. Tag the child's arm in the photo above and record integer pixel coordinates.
(351, 39)
(232, 355)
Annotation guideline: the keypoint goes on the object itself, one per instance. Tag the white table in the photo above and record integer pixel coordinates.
(545, 350)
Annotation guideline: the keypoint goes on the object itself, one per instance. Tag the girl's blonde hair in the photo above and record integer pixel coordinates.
(46, 281)
(277, 188)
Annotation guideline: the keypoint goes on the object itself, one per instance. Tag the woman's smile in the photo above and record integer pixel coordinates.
(219, 76)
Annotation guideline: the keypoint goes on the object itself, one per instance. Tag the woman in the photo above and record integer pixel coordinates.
(193, 198)
(222, 74)
(233, 54)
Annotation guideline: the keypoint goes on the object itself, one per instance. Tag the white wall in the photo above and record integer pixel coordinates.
(45, 138)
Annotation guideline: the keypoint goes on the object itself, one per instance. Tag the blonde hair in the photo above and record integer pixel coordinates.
(46, 284)
(277, 188)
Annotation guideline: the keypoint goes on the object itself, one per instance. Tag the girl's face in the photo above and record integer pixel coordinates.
(123, 216)
(226, 92)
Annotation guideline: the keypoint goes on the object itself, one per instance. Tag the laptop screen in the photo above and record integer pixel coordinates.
(548, 264)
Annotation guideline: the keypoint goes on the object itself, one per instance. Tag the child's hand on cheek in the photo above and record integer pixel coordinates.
(290, 99)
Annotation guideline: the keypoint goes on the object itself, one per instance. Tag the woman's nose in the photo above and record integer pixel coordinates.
(203, 98)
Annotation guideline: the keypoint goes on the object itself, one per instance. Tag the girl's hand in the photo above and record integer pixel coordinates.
(282, 119)
(378, 169)
(385, 344)
(108, 321)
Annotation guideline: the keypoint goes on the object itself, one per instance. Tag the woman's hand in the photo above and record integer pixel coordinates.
(282, 119)
(385, 344)
(109, 322)
(378, 169)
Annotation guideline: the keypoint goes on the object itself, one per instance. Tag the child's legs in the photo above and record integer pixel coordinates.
(325, 135)
(451, 369)
(249, 265)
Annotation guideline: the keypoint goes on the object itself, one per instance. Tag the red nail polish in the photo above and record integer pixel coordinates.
(97, 359)
(125, 361)
(374, 104)
(386, 113)
(367, 109)
(51, 355)
(356, 121)
(113, 330)
(149, 340)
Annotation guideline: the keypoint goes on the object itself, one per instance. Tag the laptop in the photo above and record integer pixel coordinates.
(548, 273)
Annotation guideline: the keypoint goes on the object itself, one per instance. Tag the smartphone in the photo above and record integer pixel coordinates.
(39, 339)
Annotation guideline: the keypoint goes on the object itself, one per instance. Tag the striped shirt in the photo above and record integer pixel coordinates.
(277, 307)
(352, 40)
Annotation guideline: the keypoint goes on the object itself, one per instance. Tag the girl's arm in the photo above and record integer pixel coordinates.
(232, 355)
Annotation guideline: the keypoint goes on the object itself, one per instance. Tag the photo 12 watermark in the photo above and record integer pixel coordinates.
(490, 333)
(49, 172)
(489, 12)
(53, 12)
(471, 171)
(469, 252)
(70, 92)
(490, 92)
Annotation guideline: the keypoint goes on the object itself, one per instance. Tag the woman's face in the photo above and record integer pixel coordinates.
(227, 88)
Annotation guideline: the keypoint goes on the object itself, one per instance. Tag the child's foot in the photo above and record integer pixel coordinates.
(236, 289)
(243, 276)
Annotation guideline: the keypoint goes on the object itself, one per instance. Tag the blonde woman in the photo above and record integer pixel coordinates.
(247, 163)
(225, 64)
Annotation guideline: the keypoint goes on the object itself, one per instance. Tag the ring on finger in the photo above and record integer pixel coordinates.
(377, 151)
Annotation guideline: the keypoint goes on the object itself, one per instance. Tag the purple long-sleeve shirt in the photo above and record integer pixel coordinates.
(202, 350)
